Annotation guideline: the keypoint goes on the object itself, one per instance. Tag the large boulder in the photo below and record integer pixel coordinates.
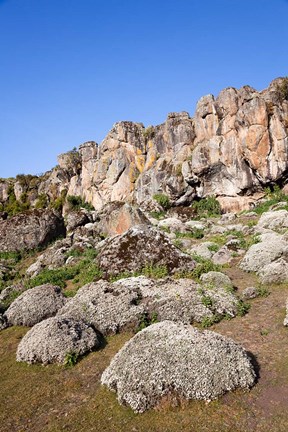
(30, 230)
(271, 247)
(172, 358)
(275, 272)
(108, 307)
(139, 247)
(35, 305)
(273, 220)
(137, 301)
(55, 340)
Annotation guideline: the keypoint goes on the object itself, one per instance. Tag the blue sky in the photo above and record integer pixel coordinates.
(70, 69)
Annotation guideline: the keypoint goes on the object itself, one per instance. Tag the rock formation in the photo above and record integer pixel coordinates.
(172, 358)
(234, 146)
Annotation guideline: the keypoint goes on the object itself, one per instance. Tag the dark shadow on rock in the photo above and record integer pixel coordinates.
(255, 365)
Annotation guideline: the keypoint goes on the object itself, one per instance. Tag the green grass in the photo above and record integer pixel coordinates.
(150, 270)
(195, 234)
(163, 200)
(81, 273)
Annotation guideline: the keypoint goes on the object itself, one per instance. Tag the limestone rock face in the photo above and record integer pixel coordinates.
(55, 339)
(169, 357)
(30, 230)
(34, 305)
(139, 247)
(234, 146)
(118, 217)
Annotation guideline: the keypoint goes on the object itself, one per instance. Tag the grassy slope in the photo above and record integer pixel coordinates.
(51, 399)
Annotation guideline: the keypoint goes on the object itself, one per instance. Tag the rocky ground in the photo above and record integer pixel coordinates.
(160, 282)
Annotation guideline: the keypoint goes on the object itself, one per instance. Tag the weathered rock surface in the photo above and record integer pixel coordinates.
(10, 292)
(236, 144)
(35, 305)
(271, 246)
(3, 322)
(139, 247)
(275, 272)
(273, 220)
(217, 280)
(110, 307)
(117, 217)
(54, 339)
(168, 357)
(30, 230)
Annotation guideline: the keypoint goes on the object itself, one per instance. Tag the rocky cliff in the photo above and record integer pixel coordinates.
(233, 147)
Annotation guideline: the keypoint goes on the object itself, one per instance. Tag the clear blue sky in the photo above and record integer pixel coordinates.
(70, 69)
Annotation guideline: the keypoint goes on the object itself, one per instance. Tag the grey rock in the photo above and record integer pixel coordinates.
(138, 247)
(275, 272)
(108, 307)
(30, 230)
(217, 280)
(169, 357)
(10, 292)
(271, 247)
(53, 339)
(76, 219)
(35, 305)
(222, 256)
(249, 293)
(273, 220)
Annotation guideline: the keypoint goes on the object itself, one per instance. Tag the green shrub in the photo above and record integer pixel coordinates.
(213, 248)
(209, 321)
(71, 359)
(273, 196)
(207, 301)
(149, 133)
(146, 321)
(203, 266)
(195, 234)
(242, 308)
(76, 202)
(282, 89)
(208, 207)
(162, 200)
(42, 201)
(157, 215)
(262, 291)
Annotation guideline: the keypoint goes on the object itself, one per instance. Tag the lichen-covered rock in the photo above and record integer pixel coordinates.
(76, 219)
(172, 358)
(27, 231)
(275, 272)
(185, 301)
(111, 307)
(55, 339)
(139, 247)
(217, 280)
(108, 307)
(222, 256)
(271, 247)
(173, 225)
(35, 305)
(273, 220)
(249, 293)
(10, 292)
